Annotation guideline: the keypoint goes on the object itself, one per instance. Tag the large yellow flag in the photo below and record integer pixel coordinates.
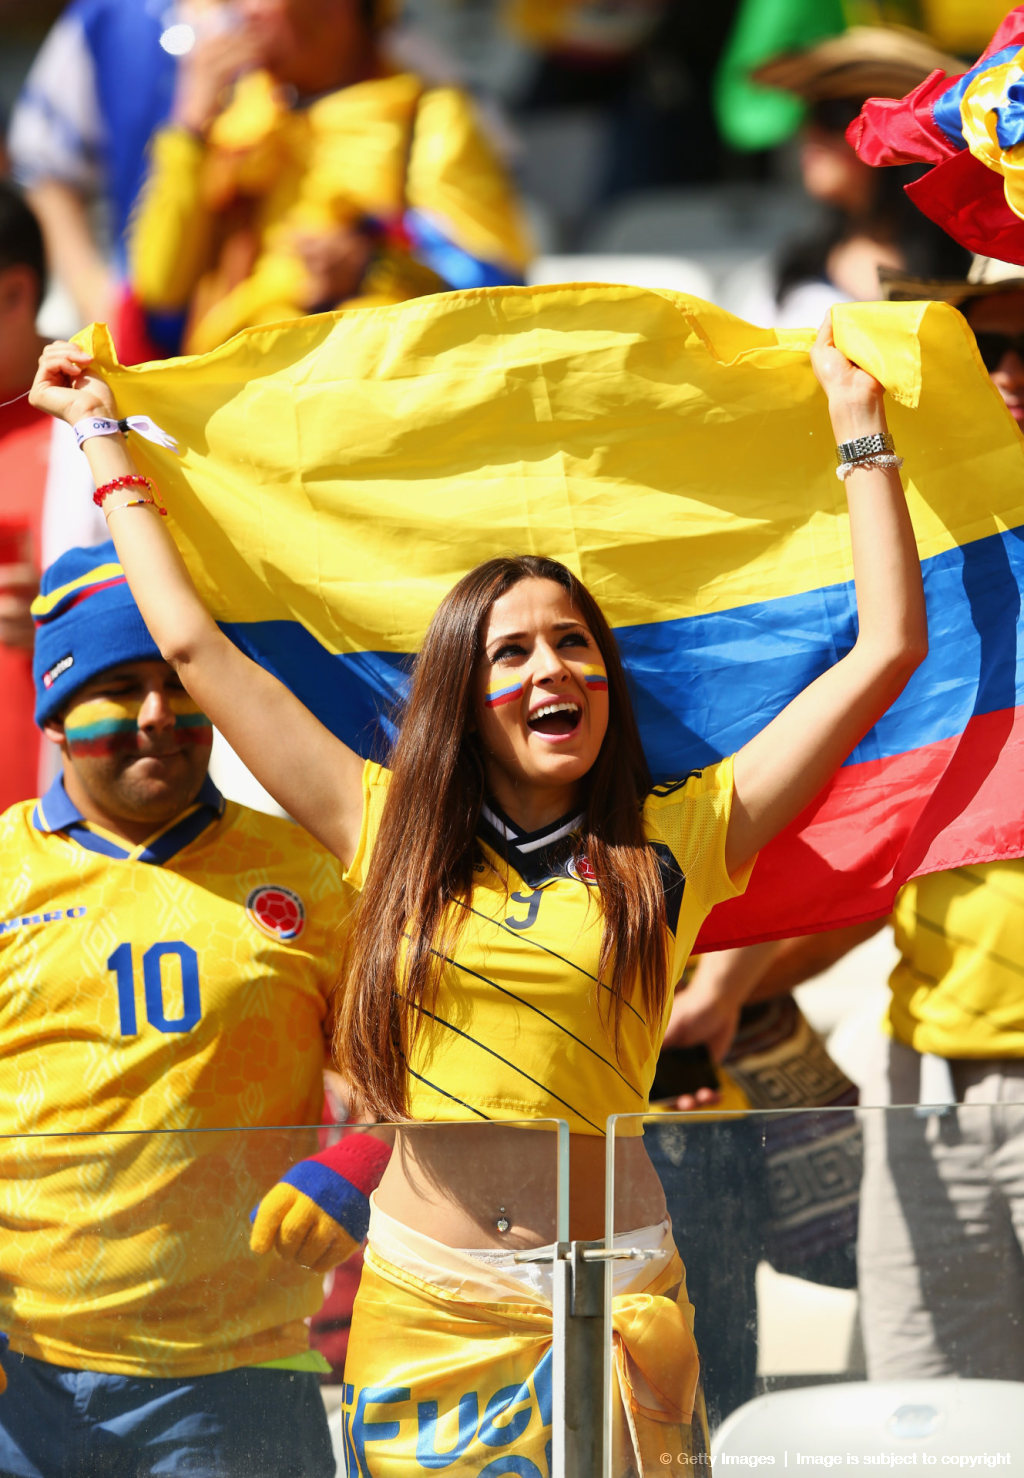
(338, 474)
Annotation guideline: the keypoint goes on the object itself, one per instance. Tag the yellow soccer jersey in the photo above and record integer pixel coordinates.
(957, 990)
(516, 1030)
(180, 985)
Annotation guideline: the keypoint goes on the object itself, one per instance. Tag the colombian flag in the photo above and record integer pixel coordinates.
(339, 473)
(971, 128)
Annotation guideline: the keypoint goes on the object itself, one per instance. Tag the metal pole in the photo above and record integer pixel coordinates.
(584, 1363)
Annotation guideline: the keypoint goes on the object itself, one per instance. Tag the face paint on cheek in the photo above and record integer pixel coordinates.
(595, 677)
(103, 726)
(111, 725)
(502, 688)
(191, 726)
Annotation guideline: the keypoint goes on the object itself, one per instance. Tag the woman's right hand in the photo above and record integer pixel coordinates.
(66, 388)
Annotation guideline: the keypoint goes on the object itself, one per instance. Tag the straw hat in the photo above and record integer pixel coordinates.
(986, 277)
(862, 62)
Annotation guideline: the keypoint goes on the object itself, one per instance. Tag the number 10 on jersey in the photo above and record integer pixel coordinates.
(158, 963)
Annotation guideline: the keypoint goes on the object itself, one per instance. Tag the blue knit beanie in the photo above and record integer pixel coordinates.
(86, 621)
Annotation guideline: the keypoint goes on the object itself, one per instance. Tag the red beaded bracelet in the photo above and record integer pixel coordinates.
(129, 480)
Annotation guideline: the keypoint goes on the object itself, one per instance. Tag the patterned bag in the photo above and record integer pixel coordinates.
(813, 1161)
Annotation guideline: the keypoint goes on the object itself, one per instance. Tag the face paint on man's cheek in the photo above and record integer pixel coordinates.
(103, 726)
(191, 726)
(501, 689)
(111, 725)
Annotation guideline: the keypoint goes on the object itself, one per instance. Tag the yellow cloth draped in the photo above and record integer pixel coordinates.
(432, 1373)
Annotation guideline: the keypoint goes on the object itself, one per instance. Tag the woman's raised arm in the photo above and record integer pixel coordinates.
(313, 775)
(783, 768)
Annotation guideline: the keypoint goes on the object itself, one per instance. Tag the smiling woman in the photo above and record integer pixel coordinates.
(527, 897)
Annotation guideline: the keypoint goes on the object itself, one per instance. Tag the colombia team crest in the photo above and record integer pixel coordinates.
(278, 911)
(581, 867)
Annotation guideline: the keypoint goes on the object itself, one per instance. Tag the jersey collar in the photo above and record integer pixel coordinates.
(537, 856)
(56, 811)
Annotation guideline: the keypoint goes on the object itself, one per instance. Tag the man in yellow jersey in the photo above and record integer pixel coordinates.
(165, 963)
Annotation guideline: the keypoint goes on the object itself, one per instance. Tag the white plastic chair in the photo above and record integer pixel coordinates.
(915, 1424)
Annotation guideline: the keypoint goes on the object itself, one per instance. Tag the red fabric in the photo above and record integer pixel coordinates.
(24, 459)
(960, 194)
(902, 130)
(966, 199)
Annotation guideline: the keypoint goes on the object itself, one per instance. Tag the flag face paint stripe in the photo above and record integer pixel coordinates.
(501, 690)
(118, 743)
(104, 725)
(772, 650)
(595, 678)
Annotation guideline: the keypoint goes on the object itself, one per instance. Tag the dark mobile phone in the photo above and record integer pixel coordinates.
(683, 1070)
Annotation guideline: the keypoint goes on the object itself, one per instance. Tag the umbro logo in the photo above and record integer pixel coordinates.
(52, 916)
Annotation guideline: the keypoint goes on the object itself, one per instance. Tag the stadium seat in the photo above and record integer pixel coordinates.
(884, 1426)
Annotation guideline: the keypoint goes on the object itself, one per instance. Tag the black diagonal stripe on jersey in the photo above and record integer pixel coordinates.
(1015, 967)
(976, 876)
(673, 883)
(531, 1007)
(525, 938)
(434, 1088)
(669, 787)
(508, 1063)
(975, 1013)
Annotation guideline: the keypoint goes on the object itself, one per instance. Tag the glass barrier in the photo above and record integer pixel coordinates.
(147, 1336)
(857, 1288)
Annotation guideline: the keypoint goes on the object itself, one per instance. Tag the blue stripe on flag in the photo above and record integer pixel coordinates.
(704, 685)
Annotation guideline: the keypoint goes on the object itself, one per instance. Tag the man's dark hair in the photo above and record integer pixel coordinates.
(21, 241)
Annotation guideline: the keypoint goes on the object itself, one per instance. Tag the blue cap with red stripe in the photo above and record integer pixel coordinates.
(86, 621)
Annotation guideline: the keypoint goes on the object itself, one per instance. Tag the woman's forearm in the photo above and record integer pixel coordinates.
(783, 768)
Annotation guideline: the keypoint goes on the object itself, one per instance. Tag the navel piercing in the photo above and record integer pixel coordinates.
(502, 1222)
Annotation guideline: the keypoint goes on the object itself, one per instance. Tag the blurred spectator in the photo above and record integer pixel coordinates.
(45, 493)
(99, 86)
(325, 180)
(869, 223)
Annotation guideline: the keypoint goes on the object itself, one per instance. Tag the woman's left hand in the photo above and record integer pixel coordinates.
(843, 381)
(66, 388)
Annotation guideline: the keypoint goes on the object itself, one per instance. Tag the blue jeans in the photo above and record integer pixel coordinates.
(248, 1423)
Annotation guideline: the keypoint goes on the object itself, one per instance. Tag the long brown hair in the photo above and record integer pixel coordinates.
(425, 847)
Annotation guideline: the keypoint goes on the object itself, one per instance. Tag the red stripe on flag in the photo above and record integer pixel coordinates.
(949, 804)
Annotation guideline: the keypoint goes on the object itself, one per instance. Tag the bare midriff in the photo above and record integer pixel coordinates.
(456, 1183)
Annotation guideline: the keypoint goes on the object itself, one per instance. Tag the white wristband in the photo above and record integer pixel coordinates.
(104, 426)
(96, 426)
(879, 459)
